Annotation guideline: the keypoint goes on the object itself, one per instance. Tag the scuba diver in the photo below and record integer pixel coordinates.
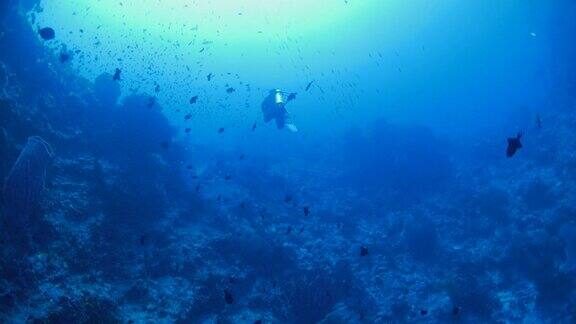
(274, 107)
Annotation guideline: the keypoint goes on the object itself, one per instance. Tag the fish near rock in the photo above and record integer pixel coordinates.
(47, 33)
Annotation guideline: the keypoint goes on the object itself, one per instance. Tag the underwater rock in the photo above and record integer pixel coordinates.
(25, 182)
(106, 90)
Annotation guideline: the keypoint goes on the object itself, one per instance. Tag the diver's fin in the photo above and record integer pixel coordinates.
(292, 128)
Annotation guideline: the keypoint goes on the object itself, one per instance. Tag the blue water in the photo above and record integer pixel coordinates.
(431, 179)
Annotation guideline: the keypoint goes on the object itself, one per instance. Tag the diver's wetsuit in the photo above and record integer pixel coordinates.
(274, 110)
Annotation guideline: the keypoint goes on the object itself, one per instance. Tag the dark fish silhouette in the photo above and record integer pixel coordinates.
(188, 116)
(228, 177)
(47, 33)
(165, 145)
(363, 251)
(455, 310)
(116, 76)
(309, 85)
(143, 239)
(228, 298)
(157, 89)
(151, 102)
(306, 210)
(242, 156)
(288, 198)
(64, 57)
(193, 100)
(514, 145)
(230, 90)
(187, 130)
(209, 77)
(291, 96)
(538, 121)
(254, 126)
(221, 130)
(423, 312)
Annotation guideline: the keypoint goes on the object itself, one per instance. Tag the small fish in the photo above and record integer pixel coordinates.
(143, 239)
(47, 33)
(228, 298)
(187, 117)
(538, 121)
(455, 310)
(423, 312)
(254, 126)
(230, 90)
(291, 96)
(363, 251)
(165, 145)
(116, 76)
(258, 321)
(189, 167)
(64, 57)
(309, 85)
(242, 156)
(306, 211)
(193, 100)
(209, 77)
(288, 198)
(221, 130)
(514, 145)
(157, 89)
(228, 177)
(151, 102)
(289, 230)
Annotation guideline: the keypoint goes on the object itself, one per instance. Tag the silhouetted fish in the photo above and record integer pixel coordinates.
(165, 145)
(363, 251)
(306, 210)
(455, 310)
(254, 126)
(151, 102)
(143, 239)
(187, 130)
(514, 145)
(291, 96)
(288, 198)
(228, 298)
(423, 312)
(538, 121)
(309, 85)
(47, 33)
(193, 100)
(64, 57)
(116, 76)
(209, 77)
(188, 116)
(230, 90)
(221, 130)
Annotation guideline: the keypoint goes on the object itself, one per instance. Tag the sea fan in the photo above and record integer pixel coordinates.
(26, 181)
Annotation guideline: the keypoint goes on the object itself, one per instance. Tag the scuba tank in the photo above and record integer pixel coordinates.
(278, 97)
